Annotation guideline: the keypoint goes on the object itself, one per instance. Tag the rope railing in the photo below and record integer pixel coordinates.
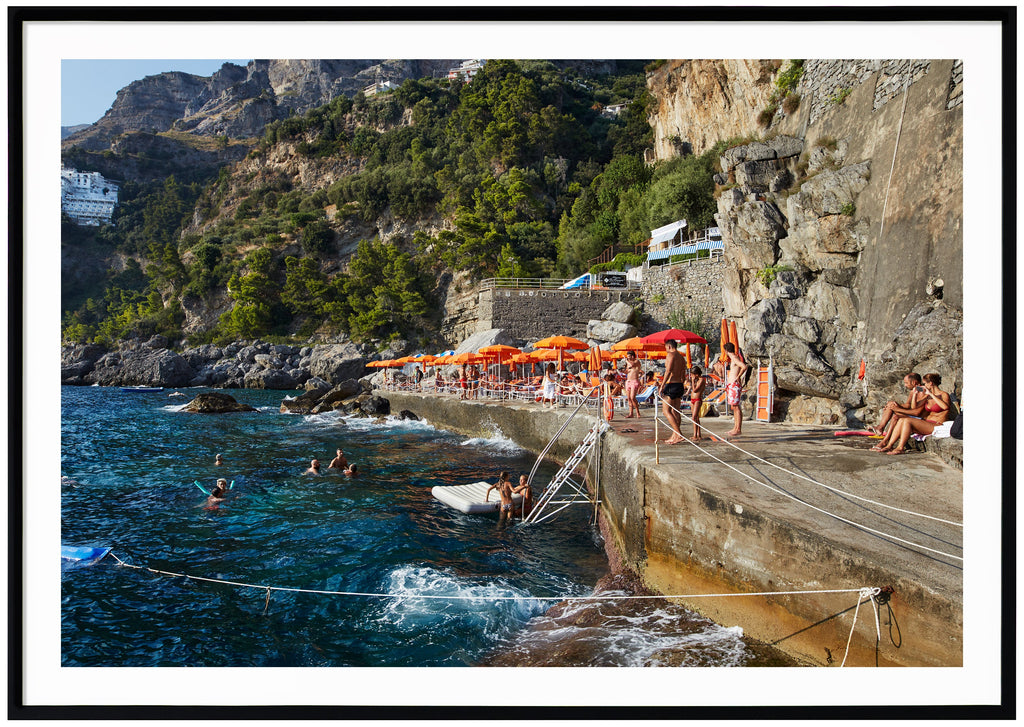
(455, 597)
(803, 502)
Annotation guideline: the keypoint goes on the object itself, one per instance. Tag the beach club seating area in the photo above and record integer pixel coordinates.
(506, 373)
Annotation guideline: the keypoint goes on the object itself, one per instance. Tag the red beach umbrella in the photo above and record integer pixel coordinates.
(673, 334)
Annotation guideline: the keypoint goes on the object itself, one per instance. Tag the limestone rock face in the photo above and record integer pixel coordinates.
(270, 379)
(337, 362)
(141, 367)
(216, 403)
(492, 337)
(345, 390)
(78, 360)
(610, 331)
(619, 312)
(304, 404)
(699, 102)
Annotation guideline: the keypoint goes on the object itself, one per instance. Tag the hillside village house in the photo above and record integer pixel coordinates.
(86, 197)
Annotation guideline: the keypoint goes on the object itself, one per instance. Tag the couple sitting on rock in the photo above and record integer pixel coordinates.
(926, 411)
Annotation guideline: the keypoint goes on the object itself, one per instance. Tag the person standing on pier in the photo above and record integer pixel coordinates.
(734, 388)
(632, 384)
(673, 387)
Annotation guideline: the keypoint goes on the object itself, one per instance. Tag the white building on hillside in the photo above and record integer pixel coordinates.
(466, 70)
(379, 87)
(86, 197)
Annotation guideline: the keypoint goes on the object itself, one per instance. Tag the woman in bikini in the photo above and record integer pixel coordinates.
(697, 383)
(936, 412)
(504, 488)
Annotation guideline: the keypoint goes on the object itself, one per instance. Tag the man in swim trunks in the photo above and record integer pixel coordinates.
(734, 389)
(632, 384)
(672, 389)
(314, 467)
(339, 462)
(696, 383)
(504, 488)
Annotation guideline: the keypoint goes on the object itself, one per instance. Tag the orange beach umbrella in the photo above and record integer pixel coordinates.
(561, 343)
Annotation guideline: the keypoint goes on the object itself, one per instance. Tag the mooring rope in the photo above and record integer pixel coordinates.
(363, 594)
(807, 504)
(869, 593)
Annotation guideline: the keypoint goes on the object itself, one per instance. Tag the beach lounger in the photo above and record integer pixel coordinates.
(648, 397)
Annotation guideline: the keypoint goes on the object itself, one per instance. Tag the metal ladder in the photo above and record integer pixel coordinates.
(565, 476)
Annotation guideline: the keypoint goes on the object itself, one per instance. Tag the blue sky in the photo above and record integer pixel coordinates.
(88, 87)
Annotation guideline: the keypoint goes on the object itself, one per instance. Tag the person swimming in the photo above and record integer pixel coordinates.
(351, 471)
(314, 467)
(339, 462)
(218, 460)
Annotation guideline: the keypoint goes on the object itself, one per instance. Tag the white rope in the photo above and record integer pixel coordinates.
(814, 507)
(869, 593)
(609, 597)
(808, 479)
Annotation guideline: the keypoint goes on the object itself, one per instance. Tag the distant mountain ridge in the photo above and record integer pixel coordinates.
(239, 102)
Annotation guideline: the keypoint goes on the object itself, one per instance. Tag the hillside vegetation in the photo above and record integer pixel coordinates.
(517, 173)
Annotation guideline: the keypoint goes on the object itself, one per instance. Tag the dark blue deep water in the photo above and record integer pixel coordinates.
(128, 465)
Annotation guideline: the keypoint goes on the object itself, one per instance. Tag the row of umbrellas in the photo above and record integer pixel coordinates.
(560, 349)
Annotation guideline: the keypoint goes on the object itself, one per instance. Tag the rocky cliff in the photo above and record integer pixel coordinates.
(831, 259)
(701, 102)
(239, 102)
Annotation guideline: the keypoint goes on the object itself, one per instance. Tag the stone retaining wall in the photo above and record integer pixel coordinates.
(824, 80)
(686, 292)
(532, 314)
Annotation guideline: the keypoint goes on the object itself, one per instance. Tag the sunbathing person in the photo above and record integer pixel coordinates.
(912, 407)
(936, 408)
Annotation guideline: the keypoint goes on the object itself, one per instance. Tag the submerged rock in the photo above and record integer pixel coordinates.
(216, 403)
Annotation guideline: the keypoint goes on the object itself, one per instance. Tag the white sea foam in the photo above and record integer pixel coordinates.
(390, 423)
(493, 606)
(497, 441)
(174, 407)
(641, 637)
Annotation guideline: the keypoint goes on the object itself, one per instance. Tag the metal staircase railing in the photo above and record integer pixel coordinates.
(565, 475)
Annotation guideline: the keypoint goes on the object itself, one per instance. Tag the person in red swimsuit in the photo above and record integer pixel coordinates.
(696, 382)
(936, 411)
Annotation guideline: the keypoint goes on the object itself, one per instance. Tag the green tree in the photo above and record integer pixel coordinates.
(256, 297)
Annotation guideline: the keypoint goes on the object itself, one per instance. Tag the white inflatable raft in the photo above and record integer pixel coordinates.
(470, 498)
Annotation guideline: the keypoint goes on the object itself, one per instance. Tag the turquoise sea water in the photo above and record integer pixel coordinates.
(128, 465)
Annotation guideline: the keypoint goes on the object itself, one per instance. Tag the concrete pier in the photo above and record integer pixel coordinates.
(704, 520)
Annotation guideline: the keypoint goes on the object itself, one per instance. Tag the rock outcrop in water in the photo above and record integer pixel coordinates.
(216, 403)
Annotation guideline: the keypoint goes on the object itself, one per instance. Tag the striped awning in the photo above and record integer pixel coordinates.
(684, 250)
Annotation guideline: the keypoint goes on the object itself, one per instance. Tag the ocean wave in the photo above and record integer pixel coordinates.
(628, 633)
(389, 423)
(497, 441)
(174, 407)
(492, 607)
